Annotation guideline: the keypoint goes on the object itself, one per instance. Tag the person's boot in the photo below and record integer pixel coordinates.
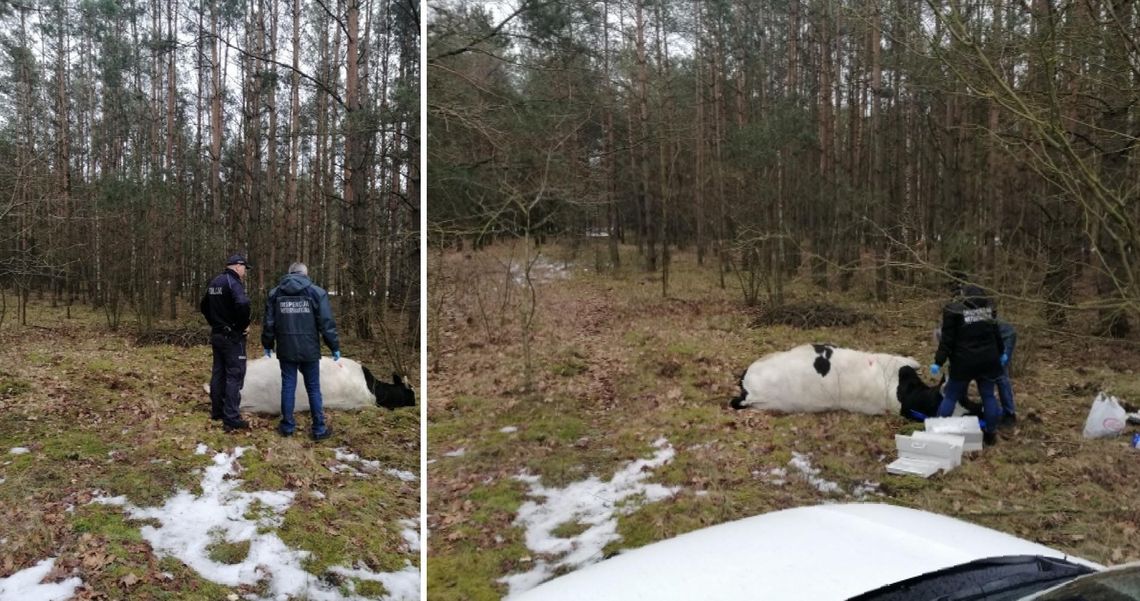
(989, 439)
(1009, 420)
(322, 435)
(240, 424)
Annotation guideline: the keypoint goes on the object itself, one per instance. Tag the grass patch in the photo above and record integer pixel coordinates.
(370, 589)
(11, 386)
(571, 363)
(228, 553)
(620, 366)
(109, 418)
(569, 529)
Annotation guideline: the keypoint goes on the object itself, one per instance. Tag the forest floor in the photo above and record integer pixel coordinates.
(621, 374)
(107, 446)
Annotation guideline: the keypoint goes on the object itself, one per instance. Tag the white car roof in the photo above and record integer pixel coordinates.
(819, 553)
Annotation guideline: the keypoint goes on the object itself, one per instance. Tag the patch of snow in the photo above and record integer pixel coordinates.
(866, 489)
(702, 493)
(343, 455)
(509, 429)
(803, 463)
(25, 585)
(456, 453)
(3, 480)
(404, 475)
(316, 494)
(18, 450)
(401, 586)
(591, 503)
(542, 271)
(190, 524)
(411, 534)
(366, 466)
(201, 449)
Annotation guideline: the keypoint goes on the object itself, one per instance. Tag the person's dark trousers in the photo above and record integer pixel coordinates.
(1005, 392)
(311, 372)
(956, 389)
(227, 377)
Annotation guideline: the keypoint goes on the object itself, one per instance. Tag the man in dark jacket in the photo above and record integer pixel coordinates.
(1004, 385)
(297, 316)
(971, 341)
(226, 307)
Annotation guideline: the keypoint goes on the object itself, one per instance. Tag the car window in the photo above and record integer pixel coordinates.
(1008, 578)
(1111, 585)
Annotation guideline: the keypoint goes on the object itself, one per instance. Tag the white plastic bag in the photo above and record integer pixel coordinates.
(1106, 418)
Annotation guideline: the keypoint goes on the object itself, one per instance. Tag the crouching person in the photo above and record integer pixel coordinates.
(971, 341)
(297, 316)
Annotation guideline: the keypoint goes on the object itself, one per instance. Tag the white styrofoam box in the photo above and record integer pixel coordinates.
(924, 453)
(957, 444)
(966, 426)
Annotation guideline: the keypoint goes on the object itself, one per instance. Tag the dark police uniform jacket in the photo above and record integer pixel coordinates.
(297, 316)
(971, 339)
(225, 304)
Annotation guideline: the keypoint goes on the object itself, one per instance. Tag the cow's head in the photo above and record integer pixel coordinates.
(389, 396)
(919, 400)
(911, 384)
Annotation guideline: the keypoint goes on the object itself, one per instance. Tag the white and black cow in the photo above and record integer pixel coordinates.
(821, 377)
(345, 384)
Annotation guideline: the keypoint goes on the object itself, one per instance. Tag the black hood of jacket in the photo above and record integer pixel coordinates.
(974, 297)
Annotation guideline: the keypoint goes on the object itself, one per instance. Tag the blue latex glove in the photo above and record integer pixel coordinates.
(934, 369)
(268, 353)
(336, 355)
(1004, 359)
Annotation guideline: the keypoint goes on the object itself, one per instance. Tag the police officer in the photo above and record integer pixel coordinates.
(973, 344)
(297, 316)
(226, 307)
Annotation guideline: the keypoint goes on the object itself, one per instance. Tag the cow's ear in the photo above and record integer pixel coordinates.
(369, 380)
(396, 379)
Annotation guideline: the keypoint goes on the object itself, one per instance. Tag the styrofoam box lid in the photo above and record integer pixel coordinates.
(909, 466)
(965, 424)
(951, 439)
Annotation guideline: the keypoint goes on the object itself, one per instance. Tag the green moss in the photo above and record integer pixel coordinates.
(260, 474)
(569, 529)
(98, 365)
(75, 445)
(11, 386)
(502, 497)
(370, 589)
(468, 574)
(553, 427)
(37, 358)
(569, 364)
(227, 552)
(107, 521)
